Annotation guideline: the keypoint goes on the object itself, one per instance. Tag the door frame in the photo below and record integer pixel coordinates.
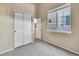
(41, 27)
(15, 39)
(15, 10)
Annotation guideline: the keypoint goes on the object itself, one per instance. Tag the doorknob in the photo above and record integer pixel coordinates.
(14, 31)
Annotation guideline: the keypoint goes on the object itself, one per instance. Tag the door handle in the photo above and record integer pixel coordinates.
(14, 31)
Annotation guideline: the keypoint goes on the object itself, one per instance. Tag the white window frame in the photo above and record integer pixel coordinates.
(55, 10)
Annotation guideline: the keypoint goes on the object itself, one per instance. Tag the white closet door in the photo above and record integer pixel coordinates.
(38, 28)
(18, 41)
(27, 29)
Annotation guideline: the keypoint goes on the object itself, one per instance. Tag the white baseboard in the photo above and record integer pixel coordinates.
(7, 51)
(56, 44)
(12, 49)
(66, 48)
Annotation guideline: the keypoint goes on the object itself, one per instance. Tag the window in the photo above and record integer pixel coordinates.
(59, 20)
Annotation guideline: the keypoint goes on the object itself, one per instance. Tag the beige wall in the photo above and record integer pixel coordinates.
(68, 41)
(35, 9)
(7, 21)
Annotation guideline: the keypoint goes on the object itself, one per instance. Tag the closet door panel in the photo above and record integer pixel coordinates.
(27, 29)
(18, 29)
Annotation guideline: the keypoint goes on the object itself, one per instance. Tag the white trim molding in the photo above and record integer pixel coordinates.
(60, 46)
(60, 7)
(6, 51)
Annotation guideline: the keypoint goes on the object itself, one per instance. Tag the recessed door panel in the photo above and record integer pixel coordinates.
(18, 29)
(27, 29)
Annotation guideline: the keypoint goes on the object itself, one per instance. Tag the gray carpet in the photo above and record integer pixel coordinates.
(38, 48)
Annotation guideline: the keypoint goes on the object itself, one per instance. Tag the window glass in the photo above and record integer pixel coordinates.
(67, 20)
(60, 20)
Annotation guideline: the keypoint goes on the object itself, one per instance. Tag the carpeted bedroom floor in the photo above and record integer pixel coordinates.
(38, 48)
